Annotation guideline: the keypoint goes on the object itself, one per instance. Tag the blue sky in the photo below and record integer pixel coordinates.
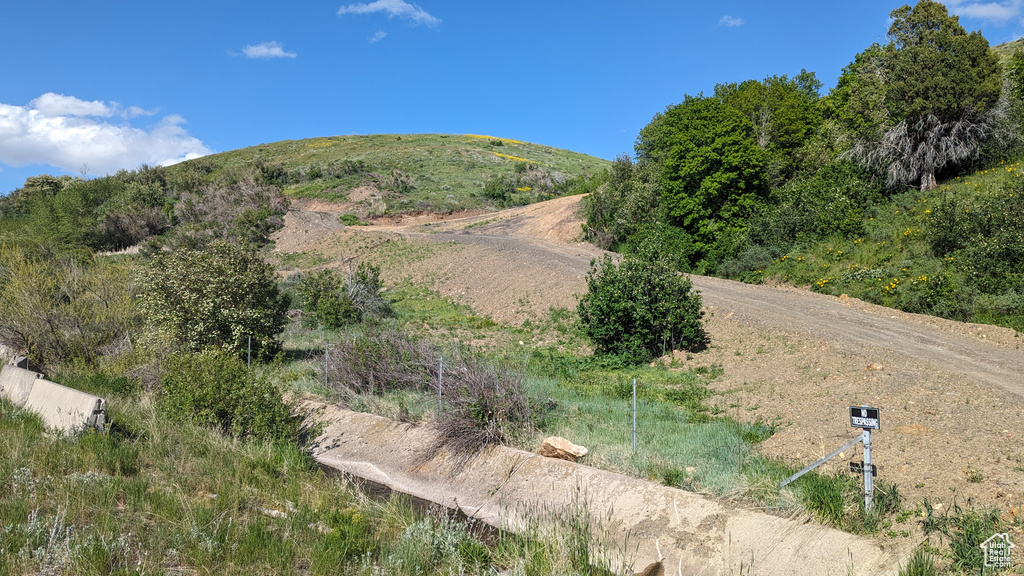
(106, 85)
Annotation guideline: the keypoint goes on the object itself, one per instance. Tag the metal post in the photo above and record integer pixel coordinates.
(440, 373)
(634, 415)
(823, 459)
(325, 364)
(869, 490)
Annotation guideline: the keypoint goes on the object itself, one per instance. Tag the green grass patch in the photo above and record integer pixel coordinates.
(954, 251)
(412, 172)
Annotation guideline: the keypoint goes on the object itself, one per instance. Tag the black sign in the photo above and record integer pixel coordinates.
(863, 417)
(858, 468)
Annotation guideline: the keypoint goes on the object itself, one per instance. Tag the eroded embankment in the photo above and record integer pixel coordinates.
(637, 521)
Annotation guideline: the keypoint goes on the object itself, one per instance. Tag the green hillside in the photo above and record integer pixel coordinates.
(243, 194)
(412, 172)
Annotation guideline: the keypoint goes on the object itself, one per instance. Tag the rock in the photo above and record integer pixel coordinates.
(555, 447)
(656, 569)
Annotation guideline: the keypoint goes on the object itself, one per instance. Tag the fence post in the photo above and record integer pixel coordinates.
(248, 361)
(440, 373)
(326, 347)
(634, 415)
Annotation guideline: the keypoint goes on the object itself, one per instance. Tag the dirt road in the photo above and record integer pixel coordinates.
(951, 395)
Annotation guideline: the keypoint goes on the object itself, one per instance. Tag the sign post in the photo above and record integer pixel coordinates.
(866, 418)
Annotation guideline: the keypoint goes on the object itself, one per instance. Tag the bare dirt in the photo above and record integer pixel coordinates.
(951, 394)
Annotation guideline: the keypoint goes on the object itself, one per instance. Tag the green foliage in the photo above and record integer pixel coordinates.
(937, 84)
(349, 219)
(62, 310)
(783, 111)
(333, 301)
(832, 201)
(217, 297)
(713, 173)
(640, 310)
(826, 496)
(324, 300)
(935, 67)
(630, 200)
(965, 527)
(661, 242)
(214, 388)
(858, 99)
(921, 563)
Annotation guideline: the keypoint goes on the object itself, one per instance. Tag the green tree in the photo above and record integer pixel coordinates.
(857, 101)
(784, 113)
(713, 173)
(940, 84)
(629, 201)
(640, 309)
(216, 297)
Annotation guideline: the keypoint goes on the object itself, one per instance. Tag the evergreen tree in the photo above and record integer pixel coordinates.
(939, 87)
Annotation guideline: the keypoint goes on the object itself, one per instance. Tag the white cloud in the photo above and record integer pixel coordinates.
(267, 50)
(135, 111)
(52, 104)
(730, 21)
(380, 35)
(398, 8)
(67, 133)
(993, 11)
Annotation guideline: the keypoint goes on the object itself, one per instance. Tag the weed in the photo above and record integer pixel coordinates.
(965, 527)
(921, 563)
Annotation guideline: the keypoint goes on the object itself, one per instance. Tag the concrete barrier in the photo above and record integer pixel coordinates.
(61, 407)
(641, 521)
(16, 384)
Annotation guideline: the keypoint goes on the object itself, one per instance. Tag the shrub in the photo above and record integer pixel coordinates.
(215, 389)
(245, 212)
(832, 201)
(63, 310)
(217, 297)
(380, 361)
(640, 309)
(363, 287)
(350, 219)
(660, 241)
(329, 300)
(486, 406)
(324, 300)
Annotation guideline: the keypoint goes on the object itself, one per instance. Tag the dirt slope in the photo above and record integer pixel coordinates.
(951, 394)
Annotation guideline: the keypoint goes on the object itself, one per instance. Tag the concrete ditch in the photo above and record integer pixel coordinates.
(61, 408)
(639, 522)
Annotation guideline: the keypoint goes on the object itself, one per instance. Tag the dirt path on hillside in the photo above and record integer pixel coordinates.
(951, 395)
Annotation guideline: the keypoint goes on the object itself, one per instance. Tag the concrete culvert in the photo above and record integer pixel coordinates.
(637, 526)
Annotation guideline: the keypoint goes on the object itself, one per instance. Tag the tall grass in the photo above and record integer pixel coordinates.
(152, 496)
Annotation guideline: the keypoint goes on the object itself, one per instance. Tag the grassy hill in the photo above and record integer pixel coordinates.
(410, 172)
(1006, 49)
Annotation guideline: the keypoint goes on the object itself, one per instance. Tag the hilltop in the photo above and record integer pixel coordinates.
(402, 173)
